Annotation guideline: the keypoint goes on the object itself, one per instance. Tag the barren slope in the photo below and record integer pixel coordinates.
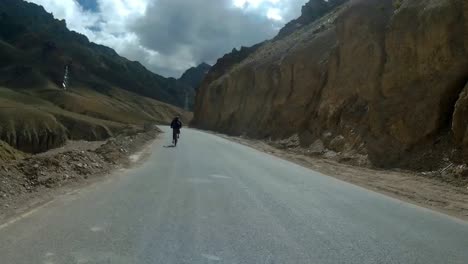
(366, 79)
(105, 93)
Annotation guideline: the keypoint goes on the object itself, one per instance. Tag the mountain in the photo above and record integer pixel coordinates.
(33, 37)
(195, 75)
(310, 12)
(381, 80)
(190, 81)
(106, 93)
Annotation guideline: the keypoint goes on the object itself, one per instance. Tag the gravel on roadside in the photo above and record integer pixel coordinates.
(76, 162)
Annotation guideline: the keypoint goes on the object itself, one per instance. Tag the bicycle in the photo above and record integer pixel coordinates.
(176, 125)
(175, 136)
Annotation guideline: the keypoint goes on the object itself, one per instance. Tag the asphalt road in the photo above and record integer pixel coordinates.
(214, 201)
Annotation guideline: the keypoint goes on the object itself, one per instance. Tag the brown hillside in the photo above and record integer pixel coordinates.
(105, 95)
(369, 77)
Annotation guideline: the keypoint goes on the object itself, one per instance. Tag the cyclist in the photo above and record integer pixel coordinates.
(176, 125)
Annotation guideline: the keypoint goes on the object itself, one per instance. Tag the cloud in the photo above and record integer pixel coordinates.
(169, 36)
(70, 10)
(274, 14)
(205, 29)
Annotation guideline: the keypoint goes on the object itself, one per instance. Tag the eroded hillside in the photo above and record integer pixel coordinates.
(105, 93)
(380, 79)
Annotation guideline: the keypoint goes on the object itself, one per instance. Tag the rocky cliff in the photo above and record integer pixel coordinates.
(377, 78)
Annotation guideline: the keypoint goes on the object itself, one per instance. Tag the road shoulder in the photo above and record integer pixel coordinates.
(407, 186)
(32, 182)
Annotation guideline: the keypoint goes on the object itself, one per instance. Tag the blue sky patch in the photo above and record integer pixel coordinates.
(89, 5)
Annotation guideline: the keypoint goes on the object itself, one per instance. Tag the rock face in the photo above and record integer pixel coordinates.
(460, 121)
(311, 11)
(384, 82)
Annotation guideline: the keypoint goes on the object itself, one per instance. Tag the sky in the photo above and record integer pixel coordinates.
(170, 36)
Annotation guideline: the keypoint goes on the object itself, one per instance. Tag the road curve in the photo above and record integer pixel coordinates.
(214, 201)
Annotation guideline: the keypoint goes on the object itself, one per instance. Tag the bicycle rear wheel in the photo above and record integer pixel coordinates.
(174, 138)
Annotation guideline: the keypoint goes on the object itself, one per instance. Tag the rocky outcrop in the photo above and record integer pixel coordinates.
(460, 121)
(383, 82)
(310, 12)
(425, 69)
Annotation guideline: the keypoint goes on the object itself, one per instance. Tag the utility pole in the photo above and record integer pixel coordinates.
(65, 79)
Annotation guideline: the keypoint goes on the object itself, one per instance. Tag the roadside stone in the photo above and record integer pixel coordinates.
(316, 148)
(337, 144)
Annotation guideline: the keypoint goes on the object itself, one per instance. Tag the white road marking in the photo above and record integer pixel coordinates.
(211, 257)
(96, 229)
(217, 176)
(198, 180)
(49, 258)
(16, 219)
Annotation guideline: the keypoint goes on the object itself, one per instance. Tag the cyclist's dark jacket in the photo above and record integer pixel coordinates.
(176, 124)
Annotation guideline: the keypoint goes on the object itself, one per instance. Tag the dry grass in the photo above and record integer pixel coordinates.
(29, 116)
(7, 152)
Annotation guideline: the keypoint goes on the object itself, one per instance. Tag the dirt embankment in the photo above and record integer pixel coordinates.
(33, 176)
(382, 82)
(8, 153)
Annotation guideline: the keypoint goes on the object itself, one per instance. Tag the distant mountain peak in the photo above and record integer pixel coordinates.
(195, 75)
(203, 65)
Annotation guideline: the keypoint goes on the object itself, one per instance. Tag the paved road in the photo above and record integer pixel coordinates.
(213, 201)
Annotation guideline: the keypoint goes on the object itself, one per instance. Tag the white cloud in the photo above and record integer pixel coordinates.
(77, 18)
(162, 46)
(254, 3)
(274, 14)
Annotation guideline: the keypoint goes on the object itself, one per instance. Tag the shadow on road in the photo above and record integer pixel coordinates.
(170, 146)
